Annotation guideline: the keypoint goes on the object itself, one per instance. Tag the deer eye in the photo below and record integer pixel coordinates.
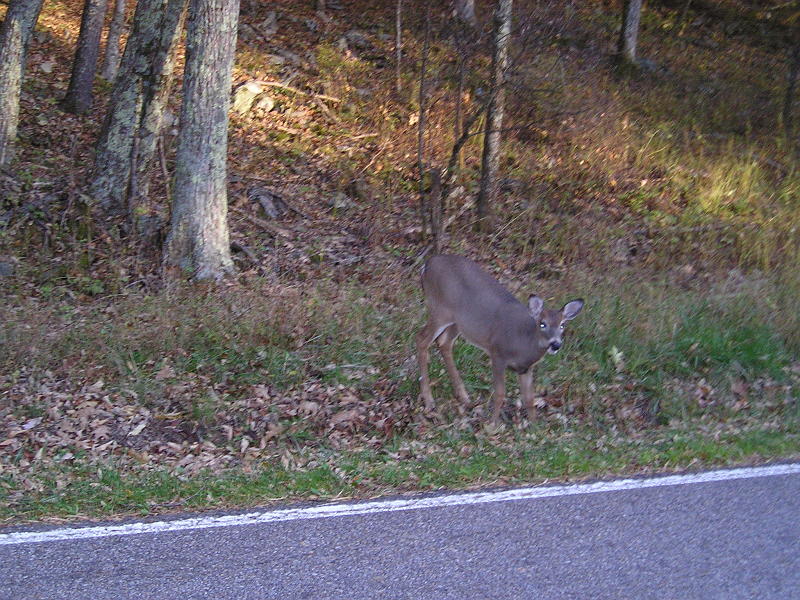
(561, 326)
(542, 325)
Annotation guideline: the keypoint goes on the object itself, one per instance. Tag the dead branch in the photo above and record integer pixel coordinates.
(273, 229)
(295, 90)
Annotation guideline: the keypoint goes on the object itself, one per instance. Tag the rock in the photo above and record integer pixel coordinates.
(341, 201)
(650, 66)
(273, 205)
(248, 33)
(269, 26)
(357, 39)
(7, 267)
(250, 94)
(290, 57)
(245, 95)
(359, 188)
(265, 103)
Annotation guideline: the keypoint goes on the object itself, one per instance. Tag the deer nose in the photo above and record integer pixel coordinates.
(555, 345)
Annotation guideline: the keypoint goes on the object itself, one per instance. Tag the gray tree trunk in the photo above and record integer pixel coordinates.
(15, 34)
(487, 194)
(158, 87)
(111, 58)
(198, 241)
(465, 10)
(629, 34)
(79, 94)
(145, 64)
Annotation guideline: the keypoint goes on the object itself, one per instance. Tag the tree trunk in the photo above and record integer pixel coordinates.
(111, 58)
(398, 43)
(158, 87)
(79, 94)
(198, 241)
(791, 84)
(465, 10)
(424, 208)
(144, 66)
(15, 34)
(628, 35)
(487, 195)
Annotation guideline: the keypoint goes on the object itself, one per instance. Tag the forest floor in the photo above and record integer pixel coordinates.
(666, 197)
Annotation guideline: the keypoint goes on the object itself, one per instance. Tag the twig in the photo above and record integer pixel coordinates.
(274, 229)
(280, 197)
(327, 111)
(295, 90)
(237, 247)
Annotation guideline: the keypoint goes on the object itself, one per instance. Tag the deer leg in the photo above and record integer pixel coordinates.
(499, 384)
(445, 341)
(526, 392)
(424, 340)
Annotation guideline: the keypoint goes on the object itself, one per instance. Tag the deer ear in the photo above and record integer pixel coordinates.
(571, 309)
(535, 305)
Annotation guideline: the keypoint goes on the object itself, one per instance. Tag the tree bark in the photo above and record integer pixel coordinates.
(158, 87)
(15, 35)
(629, 34)
(424, 208)
(145, 66)
(111, 58)
(398, 43)
(465, 10)
(487, 194)
(79, 94)
(198, 241)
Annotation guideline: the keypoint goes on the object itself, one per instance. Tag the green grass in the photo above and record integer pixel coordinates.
(440, 462)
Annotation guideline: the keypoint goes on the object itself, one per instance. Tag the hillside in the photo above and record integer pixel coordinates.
(666, 196)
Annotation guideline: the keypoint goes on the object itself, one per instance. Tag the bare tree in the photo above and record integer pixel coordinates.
(136, 101)
(791, 84)
(198, 241)
(424, 206)
(15, 34)
(398, 42)
(629, 34)
(111, 58)
(490, 164)
(79, 94)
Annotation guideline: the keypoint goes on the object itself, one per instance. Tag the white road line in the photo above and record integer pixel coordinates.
(381, 506)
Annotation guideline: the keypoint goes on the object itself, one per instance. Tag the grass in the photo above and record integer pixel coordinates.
(443, 462)
(645, 383)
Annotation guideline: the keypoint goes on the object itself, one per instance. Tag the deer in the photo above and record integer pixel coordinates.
(464, 300)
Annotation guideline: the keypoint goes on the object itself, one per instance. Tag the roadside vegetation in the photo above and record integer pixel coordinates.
(667, 198)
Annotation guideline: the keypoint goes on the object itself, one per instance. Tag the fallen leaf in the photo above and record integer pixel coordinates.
(138, 429)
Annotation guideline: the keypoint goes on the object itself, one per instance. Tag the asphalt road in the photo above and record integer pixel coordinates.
(736, 538)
